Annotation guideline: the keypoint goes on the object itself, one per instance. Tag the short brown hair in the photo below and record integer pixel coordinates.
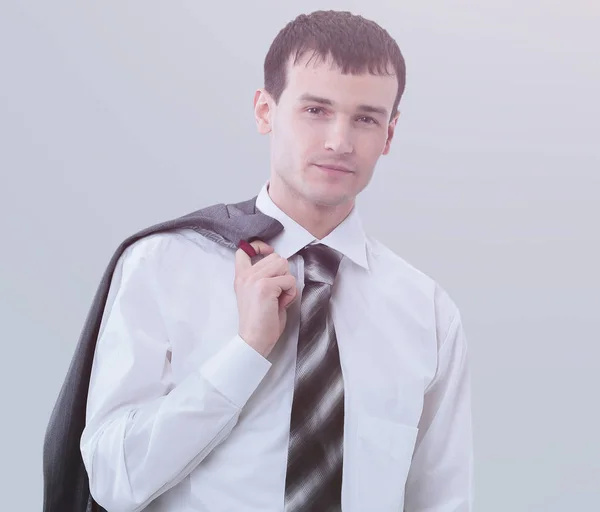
(355, 44)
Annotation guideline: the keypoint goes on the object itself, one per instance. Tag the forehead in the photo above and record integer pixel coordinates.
(321, 77)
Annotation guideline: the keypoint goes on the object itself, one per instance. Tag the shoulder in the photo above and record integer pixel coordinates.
(169, 248)
(420, 290)
(384, 260)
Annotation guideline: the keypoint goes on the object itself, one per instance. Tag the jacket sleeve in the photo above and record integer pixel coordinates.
(144, 433)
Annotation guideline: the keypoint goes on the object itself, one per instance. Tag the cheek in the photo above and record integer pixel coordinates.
(309, 136)
(305, 147)
(371, 148)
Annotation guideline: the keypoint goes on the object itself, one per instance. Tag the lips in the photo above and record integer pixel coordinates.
(334, 167)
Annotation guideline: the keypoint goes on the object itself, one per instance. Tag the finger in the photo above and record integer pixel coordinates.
(288, 297)
(271, 266)
(261, 247)
(266, 261)
(285, 287)
(243, 261)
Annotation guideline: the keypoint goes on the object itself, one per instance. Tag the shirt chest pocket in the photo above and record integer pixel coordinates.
(385, 449)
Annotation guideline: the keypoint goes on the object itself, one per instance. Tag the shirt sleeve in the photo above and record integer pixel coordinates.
(144, 433)
(441, 474)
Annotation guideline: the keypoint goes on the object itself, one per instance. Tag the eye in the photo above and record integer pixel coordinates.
(313, 109)
(367, 119)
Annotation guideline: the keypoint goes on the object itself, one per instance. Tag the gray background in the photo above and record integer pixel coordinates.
(116, 115)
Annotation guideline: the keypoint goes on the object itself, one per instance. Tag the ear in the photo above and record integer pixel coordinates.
(390, 132)
(262, 111)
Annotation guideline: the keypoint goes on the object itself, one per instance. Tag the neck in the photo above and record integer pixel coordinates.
(318, 219)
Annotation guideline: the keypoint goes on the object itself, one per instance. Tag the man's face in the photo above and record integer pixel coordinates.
(323, 119)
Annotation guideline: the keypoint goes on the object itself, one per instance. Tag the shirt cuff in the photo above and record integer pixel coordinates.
(236, 371)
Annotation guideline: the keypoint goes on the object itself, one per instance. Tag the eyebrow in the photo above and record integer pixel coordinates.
(325, 101)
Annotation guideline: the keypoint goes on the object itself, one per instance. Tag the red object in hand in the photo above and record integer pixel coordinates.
(247, 248)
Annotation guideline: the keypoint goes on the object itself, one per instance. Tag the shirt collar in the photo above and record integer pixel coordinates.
(348, 237)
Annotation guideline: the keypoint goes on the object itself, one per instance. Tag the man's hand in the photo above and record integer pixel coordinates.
(264, 291)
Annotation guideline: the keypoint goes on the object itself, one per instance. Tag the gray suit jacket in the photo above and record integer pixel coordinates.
(66, 484)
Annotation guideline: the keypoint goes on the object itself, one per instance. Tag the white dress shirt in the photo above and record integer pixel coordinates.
(184, 416)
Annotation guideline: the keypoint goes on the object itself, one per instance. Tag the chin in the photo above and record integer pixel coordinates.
(328, 197)
(328, 193)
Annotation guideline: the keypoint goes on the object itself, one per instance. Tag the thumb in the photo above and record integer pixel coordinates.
(287, 298)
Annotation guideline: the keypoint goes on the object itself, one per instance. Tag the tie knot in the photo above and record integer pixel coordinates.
(321, 263)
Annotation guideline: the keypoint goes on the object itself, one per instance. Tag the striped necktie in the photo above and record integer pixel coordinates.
(314, 469)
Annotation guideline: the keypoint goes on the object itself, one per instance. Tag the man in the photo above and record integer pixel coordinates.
(324, 374)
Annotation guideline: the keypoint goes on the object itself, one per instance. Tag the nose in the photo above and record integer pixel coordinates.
(339, 138)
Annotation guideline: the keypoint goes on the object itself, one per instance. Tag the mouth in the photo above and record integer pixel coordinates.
(338, 169)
